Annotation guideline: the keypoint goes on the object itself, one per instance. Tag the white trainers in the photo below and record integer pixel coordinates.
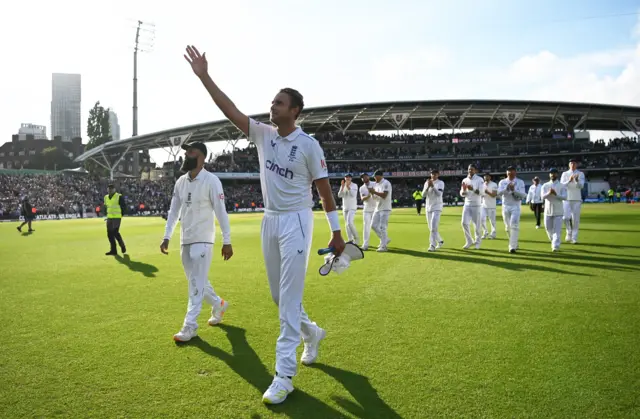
(440, 244)
(218, 312)
(310, 353)
(278, 391)
(467, 245)
(431, 249)
(381, 249)
(185, 334)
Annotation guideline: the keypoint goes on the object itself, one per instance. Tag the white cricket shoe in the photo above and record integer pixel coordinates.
(440, 244)
(466, 246)
(365, 247)
(185, 334)
(574, 241)
(278, 391)
(431, 249)
(382, 249)
(218, 312)
(567, 238)
(310, 352)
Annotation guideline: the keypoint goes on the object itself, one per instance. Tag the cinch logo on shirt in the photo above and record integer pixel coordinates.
(282, 171)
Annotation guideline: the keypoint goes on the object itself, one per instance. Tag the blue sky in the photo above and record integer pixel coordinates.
(332, 51)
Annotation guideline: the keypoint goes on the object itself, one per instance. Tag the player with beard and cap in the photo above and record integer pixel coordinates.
(573, 179)
(512, 192)
(432, 192)
(291, 161)
(197, 196)
(472, 190)
(555, 193)
(368, 207)
(489, 207)
(349, 194)
(382, 192)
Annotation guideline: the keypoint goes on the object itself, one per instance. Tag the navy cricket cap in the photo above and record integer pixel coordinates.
(553, 170)
(378, 172)
(348, 175)
(198, 146)
(573, 161)
(363, 175)
(510, 168)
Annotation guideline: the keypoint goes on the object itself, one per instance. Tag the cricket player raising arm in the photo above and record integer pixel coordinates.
(368, 206)
(512, 192)
(197, 195)
(432, 192)
(349, 194)
(573, 179)
(290, 161)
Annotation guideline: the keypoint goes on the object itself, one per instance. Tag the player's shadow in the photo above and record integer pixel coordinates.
(27, 233)
(605, 245)
(370, 404)
(572, 259)
(468, 257)
(144, 268)
(245, 362)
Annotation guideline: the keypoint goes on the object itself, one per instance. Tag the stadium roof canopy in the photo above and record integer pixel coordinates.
(416, 115)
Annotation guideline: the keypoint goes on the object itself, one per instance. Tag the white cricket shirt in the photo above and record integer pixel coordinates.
(433, 196)
(512, 198)
(194, 202)
(489, 202)
(349, 196)
(574, 188)
(368, 205)
(473, 198)
(554, 207)
(288, 166)
(383, 204)
(534, 196)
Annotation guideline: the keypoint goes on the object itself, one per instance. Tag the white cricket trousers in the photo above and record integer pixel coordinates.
(433, 221)
(196, 260)
(367, 218)
(572, 218)
(471, 215)
(350, 223)
(490, 214)
(511, 218)
(553, 225)
(286, 245)
(380, 224)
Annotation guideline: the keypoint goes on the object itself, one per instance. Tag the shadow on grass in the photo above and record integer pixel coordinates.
(604, 245)
(141, 267)
(245, 362)
(467, 257)
(370, 403)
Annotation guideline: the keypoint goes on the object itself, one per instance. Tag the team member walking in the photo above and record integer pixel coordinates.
(349, 194)
(197, 196)
(554, 193)
(290, 162)
(382, 192)
(512, 192)
(489, 207)
(472, 190)
(432, 191)
(368, 207)
(573, 179)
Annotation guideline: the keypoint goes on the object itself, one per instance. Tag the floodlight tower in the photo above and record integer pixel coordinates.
(146, 31)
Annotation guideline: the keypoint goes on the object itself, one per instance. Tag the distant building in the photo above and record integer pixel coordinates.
(19, 153)
(39, 132)
(66, 98)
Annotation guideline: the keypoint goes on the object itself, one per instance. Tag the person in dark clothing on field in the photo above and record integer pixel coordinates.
(28, 214)
(114, 207)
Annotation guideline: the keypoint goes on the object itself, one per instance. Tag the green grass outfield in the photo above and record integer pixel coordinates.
(478, 333)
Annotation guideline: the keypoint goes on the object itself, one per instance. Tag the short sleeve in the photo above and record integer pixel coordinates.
(315, 161)
(259, 132)
(386, 187)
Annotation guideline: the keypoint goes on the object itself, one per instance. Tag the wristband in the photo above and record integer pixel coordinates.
(334, 220)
